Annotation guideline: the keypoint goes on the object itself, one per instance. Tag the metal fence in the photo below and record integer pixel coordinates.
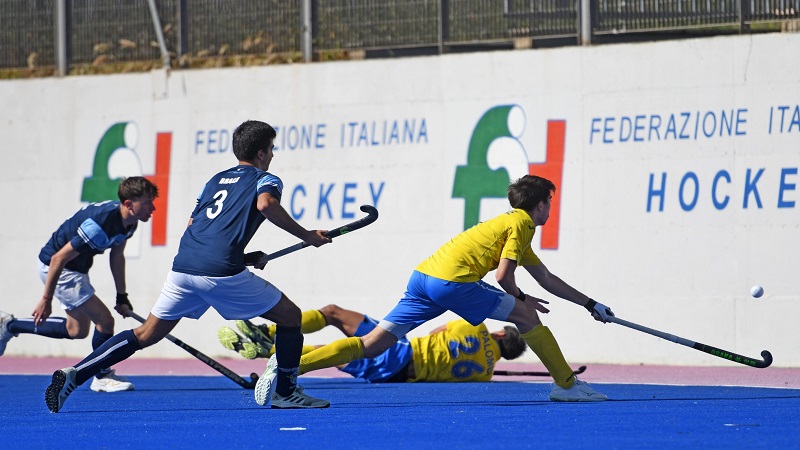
(102, 32)
(619, 16)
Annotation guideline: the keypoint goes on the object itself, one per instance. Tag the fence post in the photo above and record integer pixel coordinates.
(63, 36)
(744, 15)
(444, 24)
(162, 45)
(585, 21)
(183, 32)
(305, 40)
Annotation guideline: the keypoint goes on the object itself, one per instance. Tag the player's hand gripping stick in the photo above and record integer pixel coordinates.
(259, 259)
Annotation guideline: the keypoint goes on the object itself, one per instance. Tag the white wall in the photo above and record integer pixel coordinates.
(684, 269)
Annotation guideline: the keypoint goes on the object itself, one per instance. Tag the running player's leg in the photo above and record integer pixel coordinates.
(118, 348)
(53, 327)
(73, 291)
(244, 296)
(477, 301)
(414, 309)
(543, 343)
(278, 385)
(79, 320)
(389, 366)
(288, 343)
(122, 345)
(178, 299)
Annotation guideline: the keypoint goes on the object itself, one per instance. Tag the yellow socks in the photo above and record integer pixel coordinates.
(334, 354)
(312, 321)
(542, 342)
(306, 349)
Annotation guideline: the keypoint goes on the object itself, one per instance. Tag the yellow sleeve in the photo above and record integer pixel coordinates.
(518, 245)
(472, 254)
(529, 258)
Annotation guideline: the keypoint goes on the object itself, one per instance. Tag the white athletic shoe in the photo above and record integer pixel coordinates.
(62, 385)
(298, 399)
(265, 386)
(5, 335)
(111, 383)
(579, 392)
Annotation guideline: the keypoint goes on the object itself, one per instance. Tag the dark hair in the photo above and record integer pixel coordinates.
(526, 192)
(512, 346)
(250, 137)
(132, 188)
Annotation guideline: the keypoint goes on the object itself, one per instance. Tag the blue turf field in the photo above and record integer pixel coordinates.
(191, 411)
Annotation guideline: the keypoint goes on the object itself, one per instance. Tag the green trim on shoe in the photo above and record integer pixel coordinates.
(256, 333)
(231, 340)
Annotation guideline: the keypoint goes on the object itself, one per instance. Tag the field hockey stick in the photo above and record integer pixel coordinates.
(724, 354)
(372, 216)
(511, 373)
(247, 384)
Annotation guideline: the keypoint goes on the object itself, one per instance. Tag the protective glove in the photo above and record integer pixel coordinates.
(599, 311)
(250, 259)
(122, 300)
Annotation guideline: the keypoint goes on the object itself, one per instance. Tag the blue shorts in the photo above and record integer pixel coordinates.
(384, 366)
(428, 297)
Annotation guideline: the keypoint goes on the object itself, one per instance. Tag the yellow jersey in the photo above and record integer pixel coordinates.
(473, 253)
(463, 352)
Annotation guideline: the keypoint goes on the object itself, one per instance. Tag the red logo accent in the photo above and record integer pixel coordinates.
(552, 169)
(161, 179)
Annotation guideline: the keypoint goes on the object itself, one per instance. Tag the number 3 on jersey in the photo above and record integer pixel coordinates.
(214, 210)
(465, 368)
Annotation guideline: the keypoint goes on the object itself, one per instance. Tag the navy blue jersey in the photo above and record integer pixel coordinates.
(223, 222)
(92, 230)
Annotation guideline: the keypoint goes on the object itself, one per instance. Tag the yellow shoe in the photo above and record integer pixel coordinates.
(258, 334)
(231, 340)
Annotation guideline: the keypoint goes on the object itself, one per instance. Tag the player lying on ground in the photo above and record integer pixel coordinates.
(64, 264)
(457, 351)
(450, 280)
(209, 271)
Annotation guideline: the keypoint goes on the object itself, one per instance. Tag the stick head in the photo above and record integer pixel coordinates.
(767, 360)
(372, 216)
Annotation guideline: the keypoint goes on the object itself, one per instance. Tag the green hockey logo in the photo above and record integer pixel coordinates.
(102, 186)
(477, 179)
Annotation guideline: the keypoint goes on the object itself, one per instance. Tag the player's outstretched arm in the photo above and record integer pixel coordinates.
(271, 208)
(558, 287)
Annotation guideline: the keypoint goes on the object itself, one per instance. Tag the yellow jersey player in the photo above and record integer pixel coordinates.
(457, 351)
(451, 280)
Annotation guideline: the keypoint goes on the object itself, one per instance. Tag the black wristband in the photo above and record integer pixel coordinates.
(521, 295)
(122, 299)
(590, 305)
